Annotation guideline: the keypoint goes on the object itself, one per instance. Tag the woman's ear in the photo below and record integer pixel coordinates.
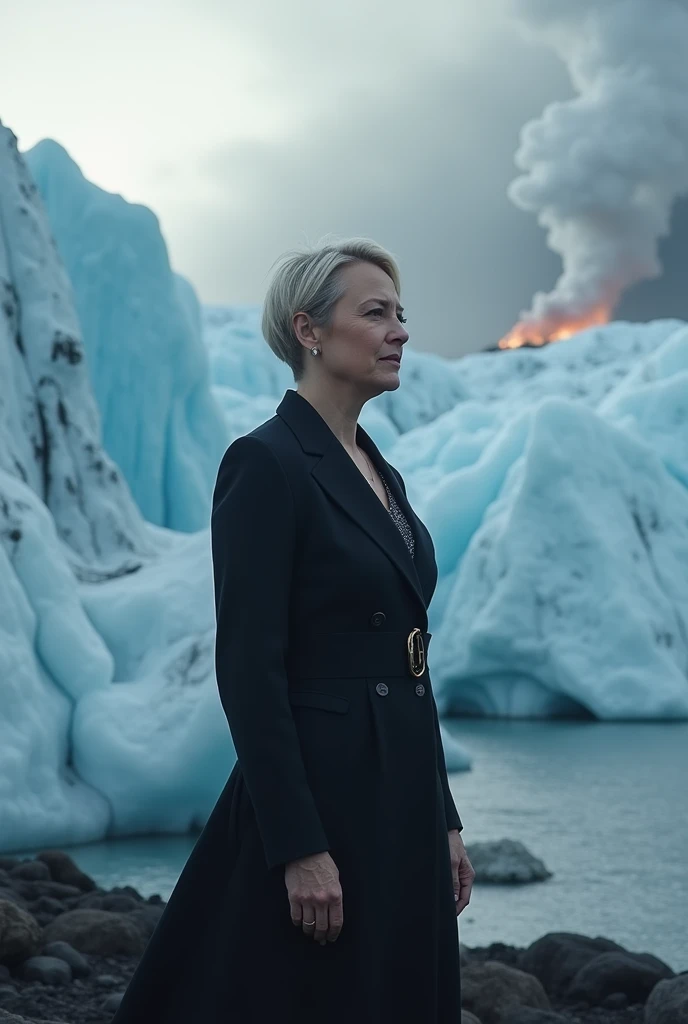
(304, 329)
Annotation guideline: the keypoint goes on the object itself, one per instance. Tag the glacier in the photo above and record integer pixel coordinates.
(159, 420)
(554, 482)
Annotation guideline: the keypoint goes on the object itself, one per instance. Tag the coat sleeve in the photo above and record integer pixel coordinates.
(450, 811)
(253, 530)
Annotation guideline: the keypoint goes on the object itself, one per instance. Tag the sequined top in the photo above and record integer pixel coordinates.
(399, 518)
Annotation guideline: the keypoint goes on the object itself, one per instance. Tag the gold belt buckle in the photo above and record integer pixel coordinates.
(416, 652)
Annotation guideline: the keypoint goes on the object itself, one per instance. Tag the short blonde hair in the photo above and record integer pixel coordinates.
(306, 280)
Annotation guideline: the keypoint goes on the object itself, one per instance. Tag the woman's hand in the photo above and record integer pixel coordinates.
(315, 896)
(462, 871)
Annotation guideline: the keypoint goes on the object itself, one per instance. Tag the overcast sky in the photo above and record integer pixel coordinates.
(251, 127)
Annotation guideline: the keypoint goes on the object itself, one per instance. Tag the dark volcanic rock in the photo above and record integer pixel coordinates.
(82, 1002)
(557, 957)
(116, 900)
(506, 862)
(96, 931)
(490, 990)
(31, 870)
(47, 969)
(63, 869)
(613, 973)
(19, 933)
(46, 905)
(12, 896)
(496, 981)
(78, 963)
(668, 1002)
(55, 890)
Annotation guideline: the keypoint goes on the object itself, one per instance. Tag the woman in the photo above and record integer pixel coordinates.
(326, 884)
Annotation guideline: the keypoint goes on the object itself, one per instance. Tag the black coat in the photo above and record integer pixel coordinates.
(337, 749)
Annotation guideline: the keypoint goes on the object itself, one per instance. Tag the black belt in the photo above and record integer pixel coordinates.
(337, 655)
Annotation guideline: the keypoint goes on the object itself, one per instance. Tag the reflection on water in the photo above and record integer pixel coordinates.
(604, 805)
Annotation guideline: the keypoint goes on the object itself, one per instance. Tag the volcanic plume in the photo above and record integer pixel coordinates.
(602, 170)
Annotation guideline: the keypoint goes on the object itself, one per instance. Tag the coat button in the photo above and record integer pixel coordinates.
(382, 689)
(420, 689)
(377, 618)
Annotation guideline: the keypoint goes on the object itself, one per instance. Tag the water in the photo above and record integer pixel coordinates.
(605, 806)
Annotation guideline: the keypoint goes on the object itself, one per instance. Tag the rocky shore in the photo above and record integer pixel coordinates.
(68, 949)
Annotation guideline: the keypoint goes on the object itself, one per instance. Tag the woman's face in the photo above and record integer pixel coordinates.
(366, 328)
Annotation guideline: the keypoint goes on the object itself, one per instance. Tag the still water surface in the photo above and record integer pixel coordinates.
(605, 806)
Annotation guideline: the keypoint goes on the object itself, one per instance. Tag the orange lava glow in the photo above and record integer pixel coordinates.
(527, 333)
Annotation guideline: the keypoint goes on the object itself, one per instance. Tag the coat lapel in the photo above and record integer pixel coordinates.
(337, 474)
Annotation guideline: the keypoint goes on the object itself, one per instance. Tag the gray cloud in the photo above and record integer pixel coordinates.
(415, 151)
(667, 295)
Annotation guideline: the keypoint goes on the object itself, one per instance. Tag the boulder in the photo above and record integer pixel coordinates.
(47, 905)
(20, 934)
(96, 931)
(30, 871)
(506, 862)
(126, 890)
(13, 897)
(491, 989)
(557, 957)
(612, 973)
(119, 902)
(47, 969)
(469, 1018)
(64, 869)
(90, 901)
(79, 965)
(668, 1002)
(33, 890)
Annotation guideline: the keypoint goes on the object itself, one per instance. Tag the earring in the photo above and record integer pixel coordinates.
(315, 351)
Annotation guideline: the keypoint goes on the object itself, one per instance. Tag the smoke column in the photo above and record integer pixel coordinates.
(603, 169)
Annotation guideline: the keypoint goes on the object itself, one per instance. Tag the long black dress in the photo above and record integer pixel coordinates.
(318, 587)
